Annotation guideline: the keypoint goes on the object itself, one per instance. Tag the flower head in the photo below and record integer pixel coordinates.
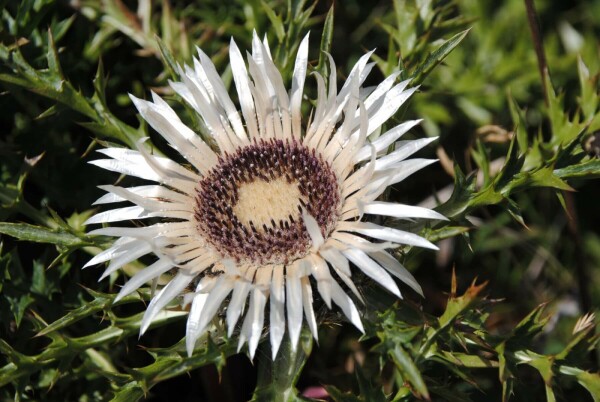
(270, 201)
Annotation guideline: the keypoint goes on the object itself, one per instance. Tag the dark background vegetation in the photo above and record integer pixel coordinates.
(552, 256)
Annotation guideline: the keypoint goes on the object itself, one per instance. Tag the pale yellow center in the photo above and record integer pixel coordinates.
(262, 201)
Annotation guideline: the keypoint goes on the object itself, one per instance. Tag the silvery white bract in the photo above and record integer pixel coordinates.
(271, 200)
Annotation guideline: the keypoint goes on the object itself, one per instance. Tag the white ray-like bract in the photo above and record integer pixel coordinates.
(275, 210)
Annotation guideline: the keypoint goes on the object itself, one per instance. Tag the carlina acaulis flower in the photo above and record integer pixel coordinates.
(274, 207)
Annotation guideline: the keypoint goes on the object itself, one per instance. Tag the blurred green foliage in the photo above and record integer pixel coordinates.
(512, 149)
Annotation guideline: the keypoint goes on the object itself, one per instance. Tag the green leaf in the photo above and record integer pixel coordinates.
(59, 29)
(466, 360)
(510, 351)
(400, 323)
(368, 392)
(514, 211)
(585, 170)
(39, 284)
(104, 336)
(590, 381)
(167, 58)
(49, 83)
(482, 159)
(52, 57)
(170, 363)
(505, 180)
(19, 305)
(564, 130)
(87, 309)
(15, 357)
(130, 392)
(520, 124)
(562, 202)
(9, 196)
(545, 177)
(589, 99)
(409, 371)
(456, 305)
(543, 364)
(507, 368)
(582, 340)
(39, 234)
(446, 232)
(459, 201)
(436, 57)
(530, 326)
(100, 83)
(276, 21)
(326, 40)
(542, 177)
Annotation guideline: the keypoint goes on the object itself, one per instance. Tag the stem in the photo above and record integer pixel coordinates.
(573, 226)
(538, 44)
(277, 378)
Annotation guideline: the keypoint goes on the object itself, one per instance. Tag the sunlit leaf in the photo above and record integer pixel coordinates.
(39, 234)
(436, 57)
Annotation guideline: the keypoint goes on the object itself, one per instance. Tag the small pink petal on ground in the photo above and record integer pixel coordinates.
(315, 392)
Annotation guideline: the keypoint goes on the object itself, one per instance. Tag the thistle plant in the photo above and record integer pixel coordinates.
(293, 201)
